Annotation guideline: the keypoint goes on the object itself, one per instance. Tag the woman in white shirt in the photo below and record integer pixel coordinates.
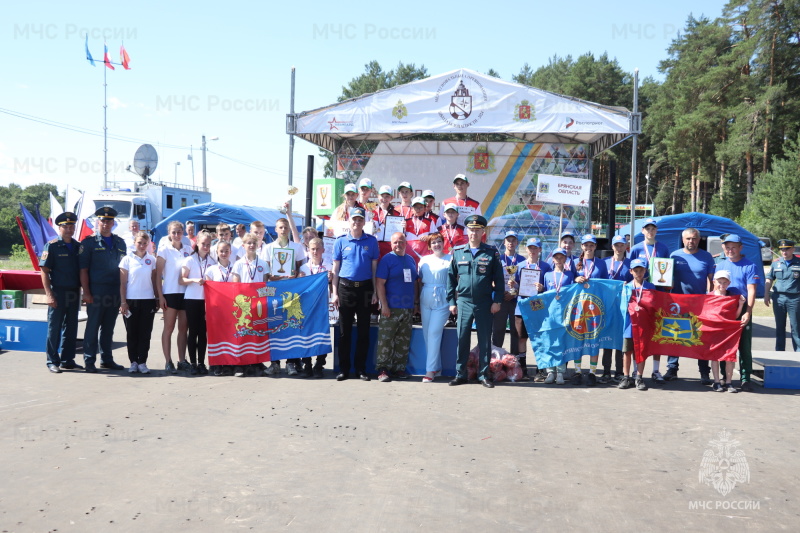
(137, 276)
(193, 277)
(170, 295)
(432, 288)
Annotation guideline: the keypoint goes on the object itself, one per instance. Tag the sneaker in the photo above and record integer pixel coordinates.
(624, 383)
(193, 370)
(746, 386)
(218, 370)
(671, 375)
(291, 369)
(731, 388)
(657, 378)
(318, 371)
(560, 378)
(184, 366)
(427, 379)
(717, 387)
(308, 371)
(400, 374)
(640, 384)
(273, 369)
(704, 379)
(605, 378)
(134, 368)
(591, 379)
(239, 372)
(618, 377)
(383, 376)
(540, 376)
(170, 368)
(202, 370)
(577, 378)
(634, 375)
(550, 379)
(143, 368)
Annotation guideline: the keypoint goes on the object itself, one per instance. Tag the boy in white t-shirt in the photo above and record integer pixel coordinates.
(315, 265)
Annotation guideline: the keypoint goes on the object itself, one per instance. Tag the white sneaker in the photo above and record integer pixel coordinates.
(658, 378)
(143, 368)
(560, 378)
(550, 379)
(133, 369)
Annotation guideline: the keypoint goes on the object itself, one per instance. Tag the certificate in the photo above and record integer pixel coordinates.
(282, 263)
(528, 278)
(661, 270)
(392, 225)
(328, 242)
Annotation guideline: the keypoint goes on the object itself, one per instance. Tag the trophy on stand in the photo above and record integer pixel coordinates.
(291, 192)
(662, 269)
(282, 256)
(511, 269)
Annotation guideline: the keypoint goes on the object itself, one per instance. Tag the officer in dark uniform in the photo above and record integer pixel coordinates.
(62, 285)
(100, 255)
(475, 289)
(784, 279)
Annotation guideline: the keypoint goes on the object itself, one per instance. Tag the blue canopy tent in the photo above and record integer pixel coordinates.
(212, 213)
(670, 228)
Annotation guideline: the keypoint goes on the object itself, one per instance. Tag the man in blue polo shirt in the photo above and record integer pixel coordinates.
(693, 273)
(396, 287)
(744, 277)
(355, 261)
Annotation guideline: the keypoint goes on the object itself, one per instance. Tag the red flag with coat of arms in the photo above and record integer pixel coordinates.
(698, 326)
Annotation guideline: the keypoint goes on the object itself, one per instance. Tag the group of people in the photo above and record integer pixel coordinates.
(438, 268)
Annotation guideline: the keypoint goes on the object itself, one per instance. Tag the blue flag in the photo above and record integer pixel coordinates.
(580, 321)
(301, 327)
(36, 233)
(89, 57)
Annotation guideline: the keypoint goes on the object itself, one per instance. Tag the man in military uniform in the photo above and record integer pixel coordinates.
(62, 285)
(100, 255)
(784, 278)
(475, 289)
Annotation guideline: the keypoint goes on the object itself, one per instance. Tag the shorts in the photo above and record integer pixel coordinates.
(627, 345)
(522, 331)
(175, 301)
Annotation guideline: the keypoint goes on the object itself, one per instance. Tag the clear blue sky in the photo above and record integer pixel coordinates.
(223, 69)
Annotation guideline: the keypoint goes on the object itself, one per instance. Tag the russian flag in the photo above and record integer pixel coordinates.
(124, 58)
(106, 59)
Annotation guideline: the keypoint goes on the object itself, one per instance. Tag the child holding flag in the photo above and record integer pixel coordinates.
(559, 277)
(722, 279)
(637, 285)
(588, 267)
(221, 272)
(250, 269)
(315, 265)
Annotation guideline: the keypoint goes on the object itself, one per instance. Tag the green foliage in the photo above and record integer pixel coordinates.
(10, 198)
(19, 253)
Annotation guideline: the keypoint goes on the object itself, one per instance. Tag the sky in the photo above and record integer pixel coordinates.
(223, 70)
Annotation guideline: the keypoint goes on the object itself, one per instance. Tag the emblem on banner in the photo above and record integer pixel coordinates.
(399, 112)
(584, 316)
(461, 103)
(242, 312)
(682, 329)
(524, 112)
(480, 160)
(536, 304)
(544, 188)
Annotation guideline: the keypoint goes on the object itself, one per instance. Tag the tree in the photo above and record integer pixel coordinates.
(10, 198)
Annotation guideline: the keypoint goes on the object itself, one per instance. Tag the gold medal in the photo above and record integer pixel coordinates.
(585, 285)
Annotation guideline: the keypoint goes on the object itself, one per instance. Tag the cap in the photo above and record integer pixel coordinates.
(732, 237)
(350, 187)
(722, 274)
(588, 238)
(534, 241)
(560, 251)
(567, 234)
(461, 177)
(638, 263)
(510, 233)
(448, 207)
(405, 184)
(65, 218)
(356, 212)
(418, 200)
(475, 221)
(785, 243)
(385, 189)
(106, 212)
(618, 239)
(428, 192)
(650, 222)
(365, 182)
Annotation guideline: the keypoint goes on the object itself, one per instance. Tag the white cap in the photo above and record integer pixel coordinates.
(722, 274)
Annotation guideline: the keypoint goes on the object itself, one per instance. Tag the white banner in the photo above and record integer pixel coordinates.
(563, 190)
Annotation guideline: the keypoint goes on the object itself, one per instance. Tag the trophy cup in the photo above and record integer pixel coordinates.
(662, 269)
(282, 257)
(323, 193)
(291, 191)
(511, 269)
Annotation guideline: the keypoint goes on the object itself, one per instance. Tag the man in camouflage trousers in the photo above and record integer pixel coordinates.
(396, 287)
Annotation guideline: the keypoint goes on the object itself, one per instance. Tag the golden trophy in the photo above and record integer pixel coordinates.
(323, 192)
(662, 269)
(282, 257)
(511, 269)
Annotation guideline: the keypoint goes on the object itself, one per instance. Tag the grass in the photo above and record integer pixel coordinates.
(16, 263)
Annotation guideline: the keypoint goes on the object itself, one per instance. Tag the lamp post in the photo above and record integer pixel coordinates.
(205, 187)
(176, 170)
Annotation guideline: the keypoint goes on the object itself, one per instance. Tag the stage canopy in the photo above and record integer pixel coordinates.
(465, 101)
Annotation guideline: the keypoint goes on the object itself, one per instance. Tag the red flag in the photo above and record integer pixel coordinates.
(106, 59)
(237, 319)
(686, 325)
(124, 58)
(28, 245)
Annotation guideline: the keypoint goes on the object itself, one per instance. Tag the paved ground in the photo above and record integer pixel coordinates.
(112, 452)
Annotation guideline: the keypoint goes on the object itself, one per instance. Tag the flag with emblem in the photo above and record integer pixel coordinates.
(699, 326)
(252, 323)
(577, 321)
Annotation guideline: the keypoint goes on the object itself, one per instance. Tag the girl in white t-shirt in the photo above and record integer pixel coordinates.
(193, 276)
(221, 272)
(171, 295)
(137, 276)
(250, 269)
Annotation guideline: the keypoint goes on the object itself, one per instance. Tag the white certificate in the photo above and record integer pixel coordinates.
(392, 225)
(282, 263)
(328, 242)
(528, 278)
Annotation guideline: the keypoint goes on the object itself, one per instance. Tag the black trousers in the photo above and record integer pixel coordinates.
(139, 328)
(196, 322)
(354, 302)
(607, 361)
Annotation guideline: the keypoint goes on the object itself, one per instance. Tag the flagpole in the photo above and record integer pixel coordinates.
(291, 144)
(105, 125)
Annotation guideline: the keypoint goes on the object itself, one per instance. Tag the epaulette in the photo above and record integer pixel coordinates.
(52, 241)
(460, 247)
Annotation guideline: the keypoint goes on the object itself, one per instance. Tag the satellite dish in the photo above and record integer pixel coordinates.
(145, 161)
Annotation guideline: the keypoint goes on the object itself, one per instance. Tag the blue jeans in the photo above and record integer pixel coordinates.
(102, 317)
(62, 326)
